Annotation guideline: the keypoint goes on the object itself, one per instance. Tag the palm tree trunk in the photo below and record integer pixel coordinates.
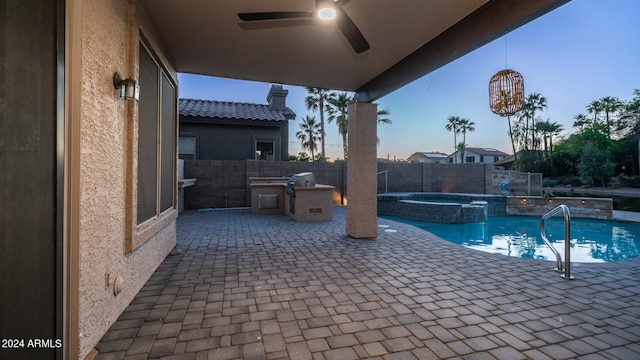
(513, 145)
(526, 134)
(533, 130)
(455, 148)
(322, 130)
(464, 142)
(344, 146)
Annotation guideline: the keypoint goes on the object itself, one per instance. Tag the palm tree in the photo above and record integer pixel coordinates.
(454, 126)
(580, 121)
(513, 144)
(556, 129)
(548, 130)
(316, 100)
(535, 102)
(461, 147)
(309, 134)
(382, 119)
(465, 125)
(594, 108)
(630, 115)
(522, 127)
(381, 116)
(338, 108)
(609, 105)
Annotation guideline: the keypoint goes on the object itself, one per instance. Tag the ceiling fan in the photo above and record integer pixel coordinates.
(326, 10)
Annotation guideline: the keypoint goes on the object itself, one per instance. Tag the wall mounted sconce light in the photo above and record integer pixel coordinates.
(127, 89)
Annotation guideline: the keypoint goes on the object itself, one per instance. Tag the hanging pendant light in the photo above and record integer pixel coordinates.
(506, 92)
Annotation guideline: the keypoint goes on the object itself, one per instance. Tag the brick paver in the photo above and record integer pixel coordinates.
(266, 287)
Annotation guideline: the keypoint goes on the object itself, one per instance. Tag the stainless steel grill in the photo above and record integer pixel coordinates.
(304, 179)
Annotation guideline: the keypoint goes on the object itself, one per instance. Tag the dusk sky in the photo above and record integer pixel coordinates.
(582, 51)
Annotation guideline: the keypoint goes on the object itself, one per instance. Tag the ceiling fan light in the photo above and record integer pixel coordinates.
(327, 13)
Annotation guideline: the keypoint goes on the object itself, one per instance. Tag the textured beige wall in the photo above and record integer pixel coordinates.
(107, 170)
(362, 181)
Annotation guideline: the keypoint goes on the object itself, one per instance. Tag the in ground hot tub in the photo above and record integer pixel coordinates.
(441, 207)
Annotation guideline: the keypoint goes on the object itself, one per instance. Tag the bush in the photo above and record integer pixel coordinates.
(574, 181)
(595, 165)
(630, 181)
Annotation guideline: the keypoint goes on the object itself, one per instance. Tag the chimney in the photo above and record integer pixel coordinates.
(277, 98)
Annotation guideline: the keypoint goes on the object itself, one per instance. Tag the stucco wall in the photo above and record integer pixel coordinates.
(107, 165)
(234, 142)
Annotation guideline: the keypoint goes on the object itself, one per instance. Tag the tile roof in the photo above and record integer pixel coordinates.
(486, 151)
(434, 155)
(232, 110)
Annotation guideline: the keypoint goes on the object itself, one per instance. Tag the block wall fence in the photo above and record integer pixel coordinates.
(222, 183)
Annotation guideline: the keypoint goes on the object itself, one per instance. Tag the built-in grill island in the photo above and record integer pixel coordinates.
(299, 197)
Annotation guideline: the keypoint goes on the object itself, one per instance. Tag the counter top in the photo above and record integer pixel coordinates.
(186, 182)
(314, 188)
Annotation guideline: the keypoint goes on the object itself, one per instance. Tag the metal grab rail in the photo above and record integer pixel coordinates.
(567, 240)
(386, 178)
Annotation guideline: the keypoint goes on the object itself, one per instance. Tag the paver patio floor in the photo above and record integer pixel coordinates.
(265, 287)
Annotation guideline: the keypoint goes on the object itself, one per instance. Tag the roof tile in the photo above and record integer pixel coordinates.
(232, 110)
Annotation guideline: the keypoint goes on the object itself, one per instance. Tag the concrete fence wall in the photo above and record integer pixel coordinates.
(590, 208)
(222, 183)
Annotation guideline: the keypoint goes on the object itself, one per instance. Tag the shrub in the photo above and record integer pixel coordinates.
(570, 180)
(595, 165)
(630, 181)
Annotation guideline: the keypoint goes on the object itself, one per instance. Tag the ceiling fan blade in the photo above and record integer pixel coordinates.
(274, 15)
(351, 31)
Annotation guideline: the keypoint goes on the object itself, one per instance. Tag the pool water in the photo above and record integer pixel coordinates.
(591, 240)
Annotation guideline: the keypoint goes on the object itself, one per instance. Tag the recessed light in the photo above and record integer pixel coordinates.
(327, 13)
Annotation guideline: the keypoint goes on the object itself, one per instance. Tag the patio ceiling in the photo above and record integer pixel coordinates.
(408, 39)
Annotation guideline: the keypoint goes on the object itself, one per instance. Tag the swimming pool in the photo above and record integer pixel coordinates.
(519, 236)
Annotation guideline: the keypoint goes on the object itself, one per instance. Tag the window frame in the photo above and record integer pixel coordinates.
(274, 153)
(145, 228)
(195, 149)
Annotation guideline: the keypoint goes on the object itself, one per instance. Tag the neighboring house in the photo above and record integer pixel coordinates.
(477, 155)
(506, 163)
(219, 130)
(428, 158)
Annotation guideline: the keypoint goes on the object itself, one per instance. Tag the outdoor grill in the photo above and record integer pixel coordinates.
(304, 179)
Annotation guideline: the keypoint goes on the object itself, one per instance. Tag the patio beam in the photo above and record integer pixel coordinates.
(489, 22)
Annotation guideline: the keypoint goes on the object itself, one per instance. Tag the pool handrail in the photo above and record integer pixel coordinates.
(386, 179)
(567, 240)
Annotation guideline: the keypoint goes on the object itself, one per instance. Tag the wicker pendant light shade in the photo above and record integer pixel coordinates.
(506, 92)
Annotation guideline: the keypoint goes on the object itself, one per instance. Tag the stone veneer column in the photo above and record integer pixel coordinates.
(361, 171)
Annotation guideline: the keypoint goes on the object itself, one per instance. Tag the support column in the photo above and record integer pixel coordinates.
(362, 184)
